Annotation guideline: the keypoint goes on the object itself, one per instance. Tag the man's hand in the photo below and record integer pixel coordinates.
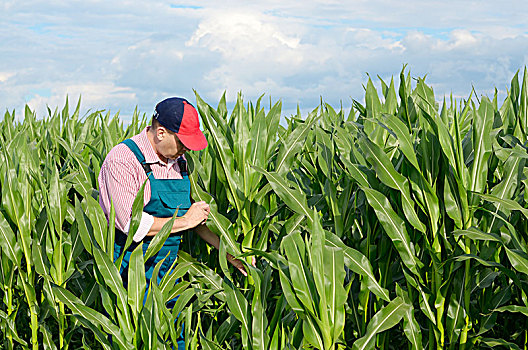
(239, 264)
(197, 214)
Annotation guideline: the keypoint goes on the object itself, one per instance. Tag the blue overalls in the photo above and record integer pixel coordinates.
(166, 195)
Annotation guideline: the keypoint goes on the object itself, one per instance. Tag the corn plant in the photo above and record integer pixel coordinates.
(400, 222)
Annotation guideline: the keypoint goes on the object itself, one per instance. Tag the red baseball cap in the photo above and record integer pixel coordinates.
(179, 116)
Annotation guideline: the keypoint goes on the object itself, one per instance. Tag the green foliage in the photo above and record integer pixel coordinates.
(402, 223)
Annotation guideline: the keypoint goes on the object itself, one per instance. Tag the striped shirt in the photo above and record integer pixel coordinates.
(122, 176)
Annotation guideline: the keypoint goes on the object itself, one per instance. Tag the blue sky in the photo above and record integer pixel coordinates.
(121, 54)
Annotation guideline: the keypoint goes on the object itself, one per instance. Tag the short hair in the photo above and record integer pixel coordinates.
(154, 123)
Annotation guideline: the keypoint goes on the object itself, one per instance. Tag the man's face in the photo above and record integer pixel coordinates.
(180, 147)
(170, 146)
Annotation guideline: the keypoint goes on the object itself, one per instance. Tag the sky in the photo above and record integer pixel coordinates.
(119, 55)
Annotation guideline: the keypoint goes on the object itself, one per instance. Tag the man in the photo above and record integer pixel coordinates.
(157, 153)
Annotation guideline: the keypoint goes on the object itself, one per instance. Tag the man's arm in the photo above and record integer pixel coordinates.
(118, 186)
(210, 237)
(207, 235)
(195, 219)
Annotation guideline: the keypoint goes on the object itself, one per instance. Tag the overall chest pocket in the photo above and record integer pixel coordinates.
(173, 200)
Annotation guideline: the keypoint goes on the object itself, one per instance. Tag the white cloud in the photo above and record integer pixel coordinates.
(373, 40)
(247, 39)
(230, 31)
(4, 76)
(459, 38)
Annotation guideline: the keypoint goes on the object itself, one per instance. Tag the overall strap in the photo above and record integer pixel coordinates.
(139, 155)
(182, 164)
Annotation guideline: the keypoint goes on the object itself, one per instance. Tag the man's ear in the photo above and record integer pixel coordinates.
(161, 132)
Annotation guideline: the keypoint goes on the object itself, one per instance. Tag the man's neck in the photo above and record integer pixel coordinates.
(152, 139)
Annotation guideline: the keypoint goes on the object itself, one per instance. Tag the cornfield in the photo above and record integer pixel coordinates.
(401, 223)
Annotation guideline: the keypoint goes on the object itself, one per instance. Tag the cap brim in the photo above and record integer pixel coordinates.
(194, 142)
